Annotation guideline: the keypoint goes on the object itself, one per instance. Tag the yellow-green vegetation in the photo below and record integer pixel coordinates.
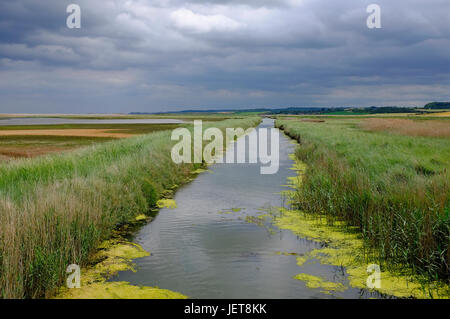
(113, 256)
(342, 246)
(315, 282)
(141, 217)
(166, 203)
(284, 253)
(258, 220)
(55, 210)
(231, 211)
(345, 248)
(199, 171)
(301, 260)
(120, 290)
(442, 114)
(393, 188)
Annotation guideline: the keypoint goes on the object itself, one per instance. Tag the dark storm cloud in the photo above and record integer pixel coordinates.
(156, 55)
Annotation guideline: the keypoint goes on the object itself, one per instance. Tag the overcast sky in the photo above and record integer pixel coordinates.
(168, 55)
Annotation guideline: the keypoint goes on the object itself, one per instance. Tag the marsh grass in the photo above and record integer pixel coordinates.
(54, 210)
(188, 116)
(19, 146)
(394, 188)
(133, 128)
(426, 128)
(14, 147)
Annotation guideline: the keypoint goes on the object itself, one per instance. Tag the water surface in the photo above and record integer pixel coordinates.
(204, 249)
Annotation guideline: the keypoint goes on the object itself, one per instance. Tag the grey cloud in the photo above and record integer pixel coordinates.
(140, 56)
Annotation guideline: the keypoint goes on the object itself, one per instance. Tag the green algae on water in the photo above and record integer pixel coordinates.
(258, 220)
(315, 282)
(301, 260)
(231, 211)
(199, 171)
(166, 203)
(121, 290)
(114, 255)
(345, 248)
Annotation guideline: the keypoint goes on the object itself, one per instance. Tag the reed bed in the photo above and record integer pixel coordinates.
(394, 188)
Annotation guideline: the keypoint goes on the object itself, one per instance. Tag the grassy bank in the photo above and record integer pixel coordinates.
(393, 187)
(55, 210)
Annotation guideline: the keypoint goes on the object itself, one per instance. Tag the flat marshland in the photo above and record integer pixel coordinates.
(56, 209)
(18, 141)
(388, 177)
(219, 116)
(425, 128)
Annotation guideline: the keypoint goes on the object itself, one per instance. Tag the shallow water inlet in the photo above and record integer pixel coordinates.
(219, 241)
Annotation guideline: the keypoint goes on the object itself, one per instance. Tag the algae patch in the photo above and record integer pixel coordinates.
(283, 253)
(141, 218)
(121, 290)
(167, 203)
(344, 247)
(231, 211)
(315, 282)
(301, 260)
(200, 170)
(114, 255)
(258, 220)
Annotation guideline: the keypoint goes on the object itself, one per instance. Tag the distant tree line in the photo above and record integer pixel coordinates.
(438, 105)
(321, 110)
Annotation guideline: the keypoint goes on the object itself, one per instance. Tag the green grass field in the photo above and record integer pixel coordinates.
(55, 209)
(394, 187)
